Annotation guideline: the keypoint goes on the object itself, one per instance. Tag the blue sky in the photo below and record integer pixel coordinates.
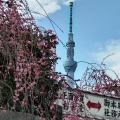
(96, 29)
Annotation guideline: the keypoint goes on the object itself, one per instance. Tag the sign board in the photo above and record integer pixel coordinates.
(101, 106)
(94, 106)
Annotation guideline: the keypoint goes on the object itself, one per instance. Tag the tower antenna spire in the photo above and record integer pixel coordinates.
(71, 6)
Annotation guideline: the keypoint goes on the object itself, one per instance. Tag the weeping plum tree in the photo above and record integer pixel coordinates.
(28, 82)
(95, 80)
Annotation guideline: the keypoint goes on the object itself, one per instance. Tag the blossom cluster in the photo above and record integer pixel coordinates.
(27, 62)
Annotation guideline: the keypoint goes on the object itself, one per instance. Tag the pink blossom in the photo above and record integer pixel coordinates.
(8, 67)
(4, 110)
(15, 99)
(21, 89)
(12, 31)
(16, 94)
(18, 58)
(12, 43)
(16, 79)
(29, 42)
(6, 22)
(25, 71)
(49, 31)
(17, 85)
(23, 103)
(51, 107)
(20, 79)
(21, 70)
(43, 63)
(32, 84)
(37, 72)
(10, 64)
(40, 44)
(13, 108)
(41, 93)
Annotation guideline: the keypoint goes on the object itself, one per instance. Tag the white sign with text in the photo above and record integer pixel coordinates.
(94, 105)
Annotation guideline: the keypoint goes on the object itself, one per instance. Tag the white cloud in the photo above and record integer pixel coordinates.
(50, 6)
(112, 48)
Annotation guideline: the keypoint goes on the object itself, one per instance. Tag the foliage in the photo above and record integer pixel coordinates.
(27, 60)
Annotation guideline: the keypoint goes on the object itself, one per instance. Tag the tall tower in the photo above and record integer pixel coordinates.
(70, 65)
